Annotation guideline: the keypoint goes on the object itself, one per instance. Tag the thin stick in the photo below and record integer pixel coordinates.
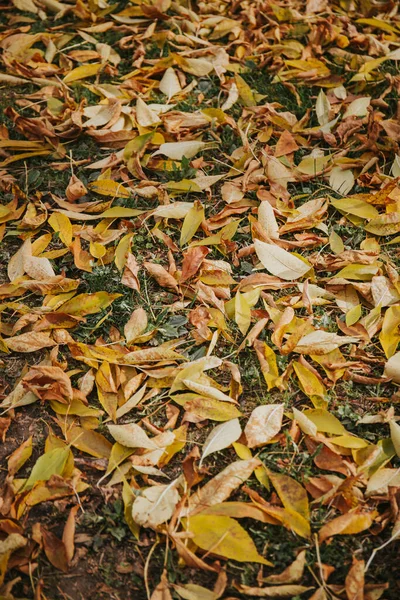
(376, 550)
(146, 569)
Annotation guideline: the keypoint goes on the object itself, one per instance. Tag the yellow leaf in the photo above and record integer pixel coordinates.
(268, 364)
(128, 498)
(390, 334)
(311, 385)
(224, 537)
(209, 408)
(355, 206)
(89, 441)
(386, 224)
(245, 93)
(109, 187)
(50, 463)
(292, 495)
(353, 315)
(336, 243)
(82, 72)
(242, 451)
(359, 272)
(88, 304)
(62, 225)
(325, 421)
(19, 457)
(122, 251)
(349, 523)
(41, 243)
(242, 312)
(97, 250)
(182, 187)
(313, 166)
(349, 441)
(192, 222)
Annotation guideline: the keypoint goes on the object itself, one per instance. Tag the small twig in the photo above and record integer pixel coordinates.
(146, 569)
(376, 550)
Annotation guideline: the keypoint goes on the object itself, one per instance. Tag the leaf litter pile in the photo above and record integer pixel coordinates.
(200, 299)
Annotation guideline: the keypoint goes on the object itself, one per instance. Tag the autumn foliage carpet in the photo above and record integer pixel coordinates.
(199, 299)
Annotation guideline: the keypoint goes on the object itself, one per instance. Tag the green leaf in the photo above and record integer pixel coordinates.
(50, 463)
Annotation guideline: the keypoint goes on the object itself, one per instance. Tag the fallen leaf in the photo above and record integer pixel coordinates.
(155, 505)
(224, 537)
(279, 262)
(348, 524)
(264, 424)
(221, 437)
(222, 485)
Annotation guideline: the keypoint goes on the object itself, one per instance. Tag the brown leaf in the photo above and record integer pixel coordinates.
(163, 278)
(280, 591)
(69, 534)
(292, 574)
(355, 580)
(75, 189)
(55, 550)
(29, 342)
(130, 274)
(161, 592)
(192, 260)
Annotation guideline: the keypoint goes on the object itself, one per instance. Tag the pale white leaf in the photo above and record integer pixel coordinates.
(221, 437)
(266, 217)
(305, 424)
(232, 98)
(279, 262)
(322, 342)
(380, 480)
(395, 169)
(169, 84)
(392, 368)
(206, 390)
(341, 180)
(358, 108)
(131, 436)
(340, 92)
(144, 115)
(176, 210)
(264, 424)
(38, 268)
(136, 325)
(395, 435)
(155, 505)
(177, 150)
(322, 108)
